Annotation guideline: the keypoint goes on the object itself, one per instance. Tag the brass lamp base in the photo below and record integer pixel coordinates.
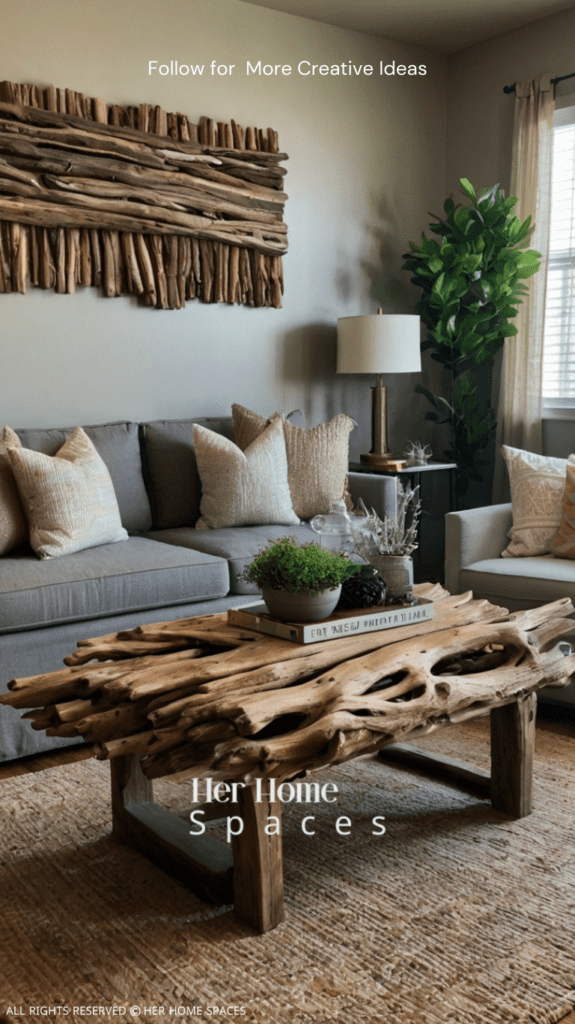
(380, 457)
(384, 460)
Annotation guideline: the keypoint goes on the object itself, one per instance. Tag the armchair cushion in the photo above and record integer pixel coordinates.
(520, 583)
(537, 483)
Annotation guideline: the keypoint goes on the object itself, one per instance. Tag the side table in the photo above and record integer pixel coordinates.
(415, 473)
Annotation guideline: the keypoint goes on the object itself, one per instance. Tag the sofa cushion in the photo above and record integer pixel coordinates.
(118, 445)
(69, 499)
(238, 544)
(243, 488)
(170, 468)
(318, 458)
(106, 580)
(521, 582)
(13, 525)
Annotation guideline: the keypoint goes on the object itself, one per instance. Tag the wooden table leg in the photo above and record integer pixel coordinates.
(252, 878)
(512, 749)
(258, 870)
(199, 861)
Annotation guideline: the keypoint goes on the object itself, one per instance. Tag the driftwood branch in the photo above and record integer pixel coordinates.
(115, 197)
(200, 698)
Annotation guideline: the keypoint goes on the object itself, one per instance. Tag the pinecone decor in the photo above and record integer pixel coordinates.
(363, 590)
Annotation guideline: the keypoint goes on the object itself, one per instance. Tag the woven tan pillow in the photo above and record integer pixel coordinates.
(537, 483)
(318, 458)
(13, 526)
(69, 498)
(563, 543)
(243, 488)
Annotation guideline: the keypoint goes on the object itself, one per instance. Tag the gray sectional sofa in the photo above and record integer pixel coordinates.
(474, 540)
(165, 570)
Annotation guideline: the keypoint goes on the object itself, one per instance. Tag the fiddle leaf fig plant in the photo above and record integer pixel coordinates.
(471, 278)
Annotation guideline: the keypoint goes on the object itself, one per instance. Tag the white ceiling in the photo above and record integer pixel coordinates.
(443, 25)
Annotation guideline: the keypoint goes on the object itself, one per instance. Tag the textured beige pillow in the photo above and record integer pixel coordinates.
(537, 483)
(69, 499)
(563, 543)
(318, 458)
(13, 526)
(243, 488)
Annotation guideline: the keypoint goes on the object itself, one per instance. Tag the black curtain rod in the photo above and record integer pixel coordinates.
(511, 88)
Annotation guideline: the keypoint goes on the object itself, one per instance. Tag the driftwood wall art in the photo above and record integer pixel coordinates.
(136, 200)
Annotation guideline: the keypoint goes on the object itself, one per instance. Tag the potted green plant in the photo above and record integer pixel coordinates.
(471, 278)
(299, 582)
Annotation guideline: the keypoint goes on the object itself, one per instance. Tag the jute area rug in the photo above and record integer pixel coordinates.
(455, 914)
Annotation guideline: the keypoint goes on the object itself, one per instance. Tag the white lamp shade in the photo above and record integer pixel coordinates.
(382, 343)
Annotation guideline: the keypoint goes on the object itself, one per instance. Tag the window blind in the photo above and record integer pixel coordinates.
(559, 336)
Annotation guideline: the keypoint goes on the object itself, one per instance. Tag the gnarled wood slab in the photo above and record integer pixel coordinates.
(202, 698)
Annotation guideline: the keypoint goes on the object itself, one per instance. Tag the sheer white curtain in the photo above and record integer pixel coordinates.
(520, 400)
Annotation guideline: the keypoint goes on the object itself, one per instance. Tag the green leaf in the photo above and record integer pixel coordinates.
(437, 290)
(510, 202)
(461, 218)
(529, 256)
(471, 263)
(528, 271)
(488, 197)
(467, 188)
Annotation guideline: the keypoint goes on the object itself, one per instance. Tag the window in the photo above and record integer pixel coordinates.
(559, 337)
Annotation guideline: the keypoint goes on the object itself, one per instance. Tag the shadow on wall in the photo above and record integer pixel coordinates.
(308, 360)
(389, 284)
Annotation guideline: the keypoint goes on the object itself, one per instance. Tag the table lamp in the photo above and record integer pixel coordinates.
(379, 343)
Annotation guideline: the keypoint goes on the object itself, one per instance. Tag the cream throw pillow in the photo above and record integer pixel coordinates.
(13, 527)
(537, 483)
(243, 488)
(563, 544)
(318, 459)
(69, 498)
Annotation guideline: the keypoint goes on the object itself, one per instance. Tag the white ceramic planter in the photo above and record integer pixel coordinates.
(302, 607)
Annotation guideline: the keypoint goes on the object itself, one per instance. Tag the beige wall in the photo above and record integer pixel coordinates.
(366, 161)
(480, 114)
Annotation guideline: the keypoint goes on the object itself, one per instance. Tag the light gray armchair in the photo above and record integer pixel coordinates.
(474, 540)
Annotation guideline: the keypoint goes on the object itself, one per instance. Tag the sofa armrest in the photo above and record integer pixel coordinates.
(472, 536)
(378, 492)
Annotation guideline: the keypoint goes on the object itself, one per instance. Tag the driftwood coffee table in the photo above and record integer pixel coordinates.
(203, 700)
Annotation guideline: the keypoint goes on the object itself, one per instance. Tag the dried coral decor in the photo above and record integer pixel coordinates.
(205, 700)
(136, 200)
